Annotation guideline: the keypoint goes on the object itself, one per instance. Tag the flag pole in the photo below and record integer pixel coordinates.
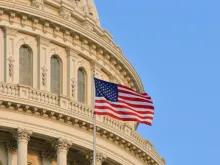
(94, 139)
(94, 125)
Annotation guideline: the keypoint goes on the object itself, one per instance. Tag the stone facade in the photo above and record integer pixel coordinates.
(39, 127)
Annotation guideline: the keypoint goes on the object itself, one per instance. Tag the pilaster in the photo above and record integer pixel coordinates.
(2, 56)
(43, 64)
(71, 72)
(11, 60)
(96, 72)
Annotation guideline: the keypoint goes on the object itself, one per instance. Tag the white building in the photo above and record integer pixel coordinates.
(49, 51)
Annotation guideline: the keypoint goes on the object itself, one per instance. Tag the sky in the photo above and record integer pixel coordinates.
(175, 48)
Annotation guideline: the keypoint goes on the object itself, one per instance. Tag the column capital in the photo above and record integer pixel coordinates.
(62, 145)
(100, 157)
(96, 69)
(72, 52)
(42, 40)
(11, 146)
(22, 135)
(47, 154)
(10, 31)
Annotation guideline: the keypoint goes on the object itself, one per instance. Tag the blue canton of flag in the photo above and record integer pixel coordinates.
(107, 90)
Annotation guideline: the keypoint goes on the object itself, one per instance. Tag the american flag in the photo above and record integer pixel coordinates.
(122, 103)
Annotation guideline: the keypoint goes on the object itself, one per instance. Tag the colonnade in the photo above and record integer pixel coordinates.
(61, 146)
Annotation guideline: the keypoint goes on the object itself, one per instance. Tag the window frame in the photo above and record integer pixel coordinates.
(85, 85)
(60, 75)
(31, 65)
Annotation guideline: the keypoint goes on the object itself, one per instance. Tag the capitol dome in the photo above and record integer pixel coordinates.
(49, 51)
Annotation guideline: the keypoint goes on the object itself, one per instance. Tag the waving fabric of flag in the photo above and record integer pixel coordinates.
(122, 103)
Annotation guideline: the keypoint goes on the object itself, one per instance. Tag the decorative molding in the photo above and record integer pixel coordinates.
(1, 14)
(12, 17)
(22, 135)
(55, 51)
(11, 61)
(47, 154)
(64, 13)
(11, 146)
(23, 20)
(62, 145)
(73, 85)
(100, 157)
(46, 26)
(25, 41)
(44, 75)
(81, 64)
(38, 4)
(34, 23)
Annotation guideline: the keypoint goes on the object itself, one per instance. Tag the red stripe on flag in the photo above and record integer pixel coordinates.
(135, 99)
(129, 106)
(124, 112)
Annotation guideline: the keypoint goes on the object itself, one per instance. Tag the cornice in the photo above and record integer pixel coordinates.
(80, 116)
(102, 40)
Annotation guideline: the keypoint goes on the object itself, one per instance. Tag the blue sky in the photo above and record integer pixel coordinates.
(175, 48)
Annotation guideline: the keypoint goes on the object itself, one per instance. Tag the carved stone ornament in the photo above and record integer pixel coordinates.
(47, 154)
(11, 66)
(56, 51)
(77, 4)
(73, 84)
(1, 14)
(11, 146)
(38, 4)
(64, 14)
(81, 63)
(22, 135)
(62, 145)
(25, 41)
(100, 157)
(44, 75)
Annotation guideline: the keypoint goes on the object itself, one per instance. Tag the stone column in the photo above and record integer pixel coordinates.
(62, 147)
(100, 158)
(22, 136)
(12, 152)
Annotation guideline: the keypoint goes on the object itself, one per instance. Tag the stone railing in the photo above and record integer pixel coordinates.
(9, 89)
(67, 105)
(79, 108)
(43, 97)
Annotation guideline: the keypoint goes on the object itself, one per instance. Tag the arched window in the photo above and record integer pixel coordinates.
(55, 77)
(81, 85)
(25, 65)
